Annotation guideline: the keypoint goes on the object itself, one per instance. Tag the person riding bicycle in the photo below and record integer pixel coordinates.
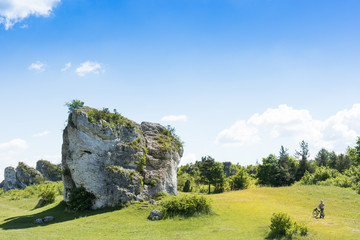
(321, 207)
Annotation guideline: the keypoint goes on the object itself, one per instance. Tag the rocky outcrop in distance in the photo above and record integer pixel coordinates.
(52, 172)
(116, 159)
(24, 175)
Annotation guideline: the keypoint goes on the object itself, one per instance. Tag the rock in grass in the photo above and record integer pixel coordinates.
(38, 221)
(155, 215)
(153, 202)
(117, 160)
(48, 219)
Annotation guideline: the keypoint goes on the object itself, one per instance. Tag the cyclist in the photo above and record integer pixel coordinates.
(321, 207)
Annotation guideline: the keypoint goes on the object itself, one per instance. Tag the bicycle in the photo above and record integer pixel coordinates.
(318, 212)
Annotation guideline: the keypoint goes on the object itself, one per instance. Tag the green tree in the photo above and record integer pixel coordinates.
(343, 162)
(286, 169)
(322, 157)
(240, 181)
(211, 172)
(266, 172)
(74, 104)
(302, 155)
(357, 148)
(333, 158)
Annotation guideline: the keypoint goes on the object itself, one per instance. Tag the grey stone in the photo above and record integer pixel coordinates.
(155, 215)
(153, 202)
(105, 159)
(28, 175)
(11, 181)
(38, 221)
(48, 219)
(51, 172)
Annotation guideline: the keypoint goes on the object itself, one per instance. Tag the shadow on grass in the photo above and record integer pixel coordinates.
(58, 212)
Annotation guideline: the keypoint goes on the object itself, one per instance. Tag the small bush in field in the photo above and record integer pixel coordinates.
(282, 225)
(80, 199)
(186, 205)
(48, 193)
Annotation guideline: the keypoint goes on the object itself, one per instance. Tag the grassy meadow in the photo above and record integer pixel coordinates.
(235, 215)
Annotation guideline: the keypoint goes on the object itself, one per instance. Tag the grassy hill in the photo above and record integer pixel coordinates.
(236, 215)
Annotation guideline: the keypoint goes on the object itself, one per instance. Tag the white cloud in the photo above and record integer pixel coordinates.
(16, 144)
(294, 124)
(13, 11)
(188, 158)
(9, 154)
(89, 67)
(174, 118)
(67, 66)
(41, 134)
(37, 66)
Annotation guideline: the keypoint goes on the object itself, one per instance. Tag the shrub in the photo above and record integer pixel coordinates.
(320, 174)
(80, 199)
(240, 181)
(282, 225)
(160, 195)
(185, 205)
(74, 104)
(187, 187)
(48, 193)
(1, 192)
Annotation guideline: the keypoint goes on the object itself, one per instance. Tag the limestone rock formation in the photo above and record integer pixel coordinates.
(11, 181)
(28, 175)
(51, 172)
(116, 159)
(21, 177)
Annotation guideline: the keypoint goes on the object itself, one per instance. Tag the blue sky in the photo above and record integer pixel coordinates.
(240, 78)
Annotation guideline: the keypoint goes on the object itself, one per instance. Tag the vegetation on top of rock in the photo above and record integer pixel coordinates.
(167, 139)
(74, 105)
(112, 119)
(51, 169)
(30, 171)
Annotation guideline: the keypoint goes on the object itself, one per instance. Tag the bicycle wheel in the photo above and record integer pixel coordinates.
(315, 213)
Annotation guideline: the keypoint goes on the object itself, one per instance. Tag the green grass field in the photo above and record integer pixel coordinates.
(236, 215)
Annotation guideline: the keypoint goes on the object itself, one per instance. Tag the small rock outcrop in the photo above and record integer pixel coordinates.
(116, 159)
(28, 175)
(155, 215)
(21, 177)
(52, 172)
(11, 181)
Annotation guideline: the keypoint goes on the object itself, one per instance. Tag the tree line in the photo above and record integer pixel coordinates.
(275, 170)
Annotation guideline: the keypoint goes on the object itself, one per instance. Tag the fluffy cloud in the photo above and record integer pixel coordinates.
(13, 11)
(67, 66)
(9, 153)
(13, 145)
(174, 118)
(294, 124)
(37, 66)
(41, 134)
(89, 67)
(188, 158)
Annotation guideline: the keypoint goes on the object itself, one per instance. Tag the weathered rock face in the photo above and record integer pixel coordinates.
(51, 172)
(11, 181)
(118, 160)
(28, 175)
